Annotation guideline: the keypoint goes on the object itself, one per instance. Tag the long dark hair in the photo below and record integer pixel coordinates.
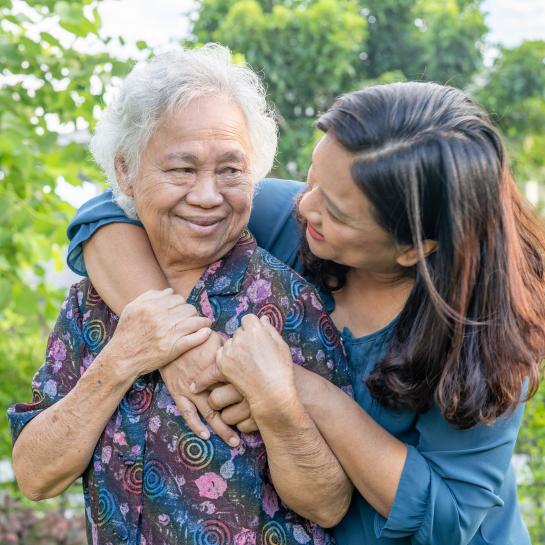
(472, 334)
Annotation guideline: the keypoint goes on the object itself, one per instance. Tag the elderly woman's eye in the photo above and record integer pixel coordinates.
(230, 170)
(183, 170)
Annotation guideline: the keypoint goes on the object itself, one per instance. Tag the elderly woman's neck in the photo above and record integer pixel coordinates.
(183, 280)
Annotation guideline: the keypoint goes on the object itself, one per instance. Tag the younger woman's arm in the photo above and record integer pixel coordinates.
(121, 264)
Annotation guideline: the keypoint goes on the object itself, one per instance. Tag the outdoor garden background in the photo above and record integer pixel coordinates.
(57, 62)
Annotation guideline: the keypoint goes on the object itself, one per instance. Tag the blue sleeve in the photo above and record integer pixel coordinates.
(94, 214)
(451, 480)
(273, 221)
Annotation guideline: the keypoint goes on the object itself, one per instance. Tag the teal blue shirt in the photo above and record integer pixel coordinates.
(457, 486)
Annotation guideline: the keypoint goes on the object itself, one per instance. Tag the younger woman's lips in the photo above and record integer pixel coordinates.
(313, 233)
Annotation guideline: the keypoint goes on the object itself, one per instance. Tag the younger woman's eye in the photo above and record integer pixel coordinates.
(333, 217)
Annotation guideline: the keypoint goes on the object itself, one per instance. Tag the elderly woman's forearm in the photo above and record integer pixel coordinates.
(121, 264)
(372, 458)
(55, 448)
(305, 472)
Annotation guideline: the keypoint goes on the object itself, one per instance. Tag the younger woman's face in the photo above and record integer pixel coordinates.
(340, 223)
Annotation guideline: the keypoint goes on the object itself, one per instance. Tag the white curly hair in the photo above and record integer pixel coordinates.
(171, 80)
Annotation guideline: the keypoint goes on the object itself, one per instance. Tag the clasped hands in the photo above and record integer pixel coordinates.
(239, 382)
(235, 382)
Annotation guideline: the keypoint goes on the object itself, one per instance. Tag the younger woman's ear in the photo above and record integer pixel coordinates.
(408, 257)
(122, 175)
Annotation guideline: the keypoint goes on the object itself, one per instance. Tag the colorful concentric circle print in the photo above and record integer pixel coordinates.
(194, 452)
(133, 477)
(296, 316)
(92, 297)
(155, 482)
(106, 507)
(297, 287)
(274, 314)
(137, 401)
(327, 332)
(245, 238)
(273, 263)
(212, 532)
(94, 334)
(273, 534)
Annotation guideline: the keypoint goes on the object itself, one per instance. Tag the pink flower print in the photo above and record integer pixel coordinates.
(208, 507)
(50, 388)
(206, 307)
(119, 438)
(213, 267)
(211, 485)
(316, 303)
(300, 535)
(297, 355)
(245, 537)
(164, 519)
(259, 290)
(242, 305)
(87, 360)
(58, 350)
(155, 423)
(318, 534)
(106, 454)
(252, 440)
(269, 500)
(124, 508)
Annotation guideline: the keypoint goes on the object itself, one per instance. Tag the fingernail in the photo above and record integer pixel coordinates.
(234, 441)
(204, 435)
(192, 387)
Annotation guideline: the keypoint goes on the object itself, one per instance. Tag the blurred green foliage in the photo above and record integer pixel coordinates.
(309, 52)
(45, 92)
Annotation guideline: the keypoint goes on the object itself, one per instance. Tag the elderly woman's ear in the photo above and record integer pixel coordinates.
(122, 175)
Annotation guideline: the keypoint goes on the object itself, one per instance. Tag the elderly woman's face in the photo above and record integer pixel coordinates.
(193, 192)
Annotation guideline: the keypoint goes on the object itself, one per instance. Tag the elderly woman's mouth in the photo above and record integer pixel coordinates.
(203, 225)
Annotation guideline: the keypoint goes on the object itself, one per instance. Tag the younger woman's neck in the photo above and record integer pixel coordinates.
(370, 301)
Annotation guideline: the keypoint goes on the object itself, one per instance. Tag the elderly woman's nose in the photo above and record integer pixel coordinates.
(205, 193)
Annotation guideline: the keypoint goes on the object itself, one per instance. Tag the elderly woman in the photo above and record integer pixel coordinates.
(182, 146)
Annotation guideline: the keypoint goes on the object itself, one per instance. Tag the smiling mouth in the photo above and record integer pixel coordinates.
(313, 233)
(203, 225)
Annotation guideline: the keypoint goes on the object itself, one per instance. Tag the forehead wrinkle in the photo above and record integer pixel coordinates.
(233, 156)
(183, 156)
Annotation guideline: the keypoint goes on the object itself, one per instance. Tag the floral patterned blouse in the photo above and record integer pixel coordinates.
(151, 481)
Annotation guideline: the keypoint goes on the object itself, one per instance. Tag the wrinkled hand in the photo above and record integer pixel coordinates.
(235, 410)
(258, 363)
(153, 330)
(177, 377)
